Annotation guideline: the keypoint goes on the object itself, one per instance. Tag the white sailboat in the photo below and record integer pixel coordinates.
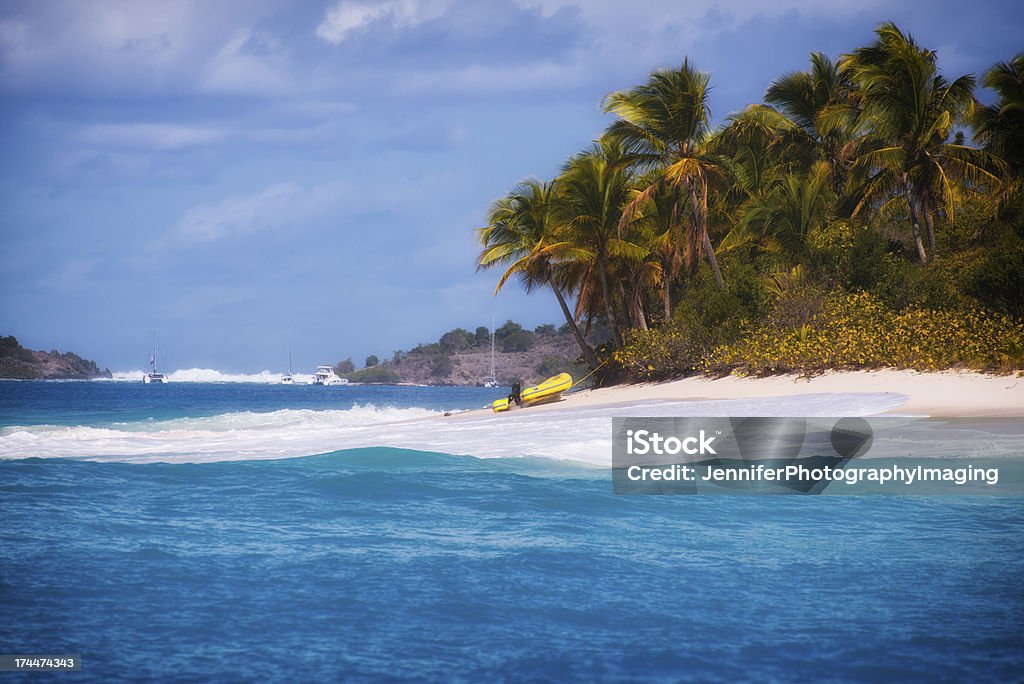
(154, 377)
(491, 380)
(287, 378)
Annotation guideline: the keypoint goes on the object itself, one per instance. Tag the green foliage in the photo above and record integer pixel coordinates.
(854, 331)
(426, 349)
(657, 353)
(375, 375)
(371, 361)
(859, 331)
(518, 341)
(482, 334)
(998, 278)
(846, 223)
(345, 367)
(508, 328)
(10, 348)
(546, 330)
(456, 340)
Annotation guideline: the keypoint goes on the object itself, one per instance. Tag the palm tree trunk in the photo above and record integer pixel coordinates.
(929, 222)
(700, 216)
(638, 306)
(588, 352)
(602, 276)
(668, 293)
(710, 252)
(633, 303)
(915, 225)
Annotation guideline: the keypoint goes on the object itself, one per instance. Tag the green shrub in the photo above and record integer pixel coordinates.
(517, 342)
(456, 340)
(859, 331)
(657, 353)
(375, 375)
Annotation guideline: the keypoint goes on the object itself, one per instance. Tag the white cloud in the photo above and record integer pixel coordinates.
(250, 62)
(483, 79)
(236, 215)
(345, 18)
(277, 207)
(118, 45)
(152, 136)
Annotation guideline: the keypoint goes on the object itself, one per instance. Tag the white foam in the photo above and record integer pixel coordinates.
(210, 375)
(574, 433)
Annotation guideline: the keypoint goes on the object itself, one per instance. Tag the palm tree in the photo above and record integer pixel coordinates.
(785, 216)
(1000, 126)
(666, 123)
(910, 110)
(520, 234)
(593, 189)
(657, 226)
(819, 106)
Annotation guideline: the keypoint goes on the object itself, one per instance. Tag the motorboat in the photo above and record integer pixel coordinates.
(325, 375)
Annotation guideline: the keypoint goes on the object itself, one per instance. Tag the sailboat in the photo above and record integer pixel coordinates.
(491, 381)
(154, 377)
(287, 378)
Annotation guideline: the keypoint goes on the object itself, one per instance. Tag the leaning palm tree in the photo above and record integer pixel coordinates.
(520, 235)
(910, 110)
(666, 122)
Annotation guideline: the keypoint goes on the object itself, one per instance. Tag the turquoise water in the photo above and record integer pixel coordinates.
(389, 564)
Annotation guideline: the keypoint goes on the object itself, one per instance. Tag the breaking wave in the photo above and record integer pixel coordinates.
(573, 433)
(264, 377)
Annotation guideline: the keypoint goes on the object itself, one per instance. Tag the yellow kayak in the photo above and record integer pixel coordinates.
(549, 390)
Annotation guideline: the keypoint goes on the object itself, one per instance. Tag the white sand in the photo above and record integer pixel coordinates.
(946, 394)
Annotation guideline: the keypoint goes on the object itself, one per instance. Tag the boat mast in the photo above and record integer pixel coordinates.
(289, 355)
(152, 359)
(492, 349)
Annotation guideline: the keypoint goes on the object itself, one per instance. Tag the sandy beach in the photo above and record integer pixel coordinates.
(945, 394)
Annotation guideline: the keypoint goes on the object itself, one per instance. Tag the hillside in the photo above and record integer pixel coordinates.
(460, 357)
(19, 363)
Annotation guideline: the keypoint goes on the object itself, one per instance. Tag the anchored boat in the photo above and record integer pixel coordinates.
(325, 375)
(546, 392)
(154, 377)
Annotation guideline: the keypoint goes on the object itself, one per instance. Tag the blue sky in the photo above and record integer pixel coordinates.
(238, 172)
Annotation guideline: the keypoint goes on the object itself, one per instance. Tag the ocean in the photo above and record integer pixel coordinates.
(226, 531)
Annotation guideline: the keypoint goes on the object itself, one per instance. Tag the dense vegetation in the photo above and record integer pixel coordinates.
(844, 222)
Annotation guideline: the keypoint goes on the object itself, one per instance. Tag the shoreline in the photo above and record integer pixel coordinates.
(940, 394)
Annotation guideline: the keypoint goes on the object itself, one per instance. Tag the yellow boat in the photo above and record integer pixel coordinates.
(547, 391)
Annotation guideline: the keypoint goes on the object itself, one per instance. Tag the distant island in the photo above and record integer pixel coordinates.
(18, 363)
(462, 357)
